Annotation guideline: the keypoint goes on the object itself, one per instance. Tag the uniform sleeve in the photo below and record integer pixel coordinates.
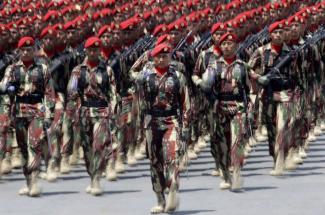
(4, 83)
(255, 63)
(198, 69)
(138, 65)
(112, 94)
(49, 94)
(72, 88)
(185, 100)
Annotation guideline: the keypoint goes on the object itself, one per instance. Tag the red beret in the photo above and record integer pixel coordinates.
(218, 26)
(25, 41)
(129, 23)
(161, 48)
(228, 37)
(177, 25)
(47, 31)
(276, 25)
(163, 38)
(93, 42)
(69, 25)
(160, 28)
(3, 28)
(102, 30)
(52, 14)
(58, 26)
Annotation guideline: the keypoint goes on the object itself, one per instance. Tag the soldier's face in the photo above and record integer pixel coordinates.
(295, 30)
(162, 60)
(216, 36)
(23, 31)
(228, 48)
(13, 36)
(105, 38)
(277, 36)
(48, 42)
(26, 53)
(169, 17)
(93, 53)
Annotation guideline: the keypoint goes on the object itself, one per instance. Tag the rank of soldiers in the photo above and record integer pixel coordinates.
(117, 81)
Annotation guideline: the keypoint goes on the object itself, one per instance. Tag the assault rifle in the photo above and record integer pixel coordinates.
(61, 60)
(181, 43)
(274, 73)
(253, 39)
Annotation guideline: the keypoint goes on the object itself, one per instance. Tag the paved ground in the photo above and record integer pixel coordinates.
(301, 192)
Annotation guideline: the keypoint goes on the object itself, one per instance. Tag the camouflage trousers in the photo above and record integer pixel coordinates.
(278, 117)
(228, 139)
(56, 135)
(4, 128)
(298, 124)
(30, 138)
(95, 138)
(127, 124)
(70, 129)
(7, 131)
(163, 148)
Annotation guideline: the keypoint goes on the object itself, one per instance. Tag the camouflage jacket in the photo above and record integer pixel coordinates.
(232, 85)
(95, 87)
(206, 58)
(260, 61)
(33, 89)
(165, 94)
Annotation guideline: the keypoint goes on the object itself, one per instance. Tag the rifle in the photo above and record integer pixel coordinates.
(181, 44)
(59, 61)
(274, 73)
(253, 39)
(206, 38)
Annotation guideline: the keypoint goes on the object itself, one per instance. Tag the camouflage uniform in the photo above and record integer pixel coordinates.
(277, 102)
(206, 59)
(231, 92)
(96, 89)
(163, 97)
(34, 100)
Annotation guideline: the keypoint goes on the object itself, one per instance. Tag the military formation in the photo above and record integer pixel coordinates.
(117, 81)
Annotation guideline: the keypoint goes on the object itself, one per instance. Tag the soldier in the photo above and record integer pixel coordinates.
(166, 123)
(227, 83)
(93, 81)
(276, 97)
(206, 58)
(32, 85)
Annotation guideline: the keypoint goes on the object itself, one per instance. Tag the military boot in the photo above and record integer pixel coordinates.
(16, 158)
(119, 165)
(96, 188)
(64, 166)
(25, 189)
(6, 164)
(160, 207)
(173, 198)
(34, 188)
(131, 161)
(51, 173)
(110, 170)
(74, 158)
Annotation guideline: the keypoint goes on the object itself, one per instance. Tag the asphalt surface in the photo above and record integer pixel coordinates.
(300, 192)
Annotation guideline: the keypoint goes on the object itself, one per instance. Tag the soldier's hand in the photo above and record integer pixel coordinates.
(263, 80)
(47, 123)
(185, 134)
(11, 90)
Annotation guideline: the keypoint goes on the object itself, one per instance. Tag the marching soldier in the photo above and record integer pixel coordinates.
(93, 81)
(227, 83)
(206, 58)
(166, 123)
(276, 97)
(32, 85)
